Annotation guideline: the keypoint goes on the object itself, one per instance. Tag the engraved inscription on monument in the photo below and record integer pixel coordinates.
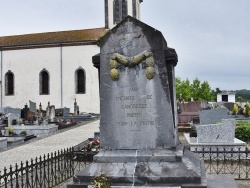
(135, 112)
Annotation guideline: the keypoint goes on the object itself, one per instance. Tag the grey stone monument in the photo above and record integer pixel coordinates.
(138, 132)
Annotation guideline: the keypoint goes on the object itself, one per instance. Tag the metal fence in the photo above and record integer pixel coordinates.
(53, 169)
(226, 160)
(48, 170)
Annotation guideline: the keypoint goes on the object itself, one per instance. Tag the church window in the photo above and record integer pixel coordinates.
(80, 80)
(124, 9)
(116, 11)
(9, 83)
(44, 82)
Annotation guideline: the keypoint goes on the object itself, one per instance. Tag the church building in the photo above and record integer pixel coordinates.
(57, 67)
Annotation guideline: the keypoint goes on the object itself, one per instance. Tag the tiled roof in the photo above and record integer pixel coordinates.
(52, 38)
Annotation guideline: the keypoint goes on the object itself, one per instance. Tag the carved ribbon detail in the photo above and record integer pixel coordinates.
(131, 62)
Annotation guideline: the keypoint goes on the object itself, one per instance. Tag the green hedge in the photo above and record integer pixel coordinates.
(242, 130)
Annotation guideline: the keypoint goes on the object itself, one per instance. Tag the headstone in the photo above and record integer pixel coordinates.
(48, 111)
(66, 112)
(32, 106)
(13, 119)
(7, 110)
(217, 133)
(138, 132)
(194, 106)
(52, 113)
(213, 116)
(59, 112)
(76, 108)
(40, 111)
(229, 105)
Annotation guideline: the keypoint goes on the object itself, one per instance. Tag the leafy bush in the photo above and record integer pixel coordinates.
(242, 122)
(23, 132)
(235, 109)
(243, 132)
(10, 129)
(247, 110)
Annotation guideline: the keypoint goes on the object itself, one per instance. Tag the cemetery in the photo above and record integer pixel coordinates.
(20, 125)
(138, 142)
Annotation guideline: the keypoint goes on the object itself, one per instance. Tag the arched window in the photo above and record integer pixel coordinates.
(9, 83)
(124, 9)
(44, 82)
(80, 80)
(116, 11)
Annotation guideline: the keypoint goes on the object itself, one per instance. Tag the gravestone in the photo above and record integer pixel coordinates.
(48, 111)
(213, 116)
(66, 112)
(52, 113)
(217, 133)
(13, 119)
(229, 105)
(138, 132)
(32, 106)
(7, 110)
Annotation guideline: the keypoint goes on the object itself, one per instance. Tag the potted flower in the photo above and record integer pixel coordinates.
(10, 129)
(247, 110)
(23, 132)
(235, 109)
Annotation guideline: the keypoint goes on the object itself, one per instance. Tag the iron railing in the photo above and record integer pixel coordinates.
(226, 160)
(54, 168)
(48, 170)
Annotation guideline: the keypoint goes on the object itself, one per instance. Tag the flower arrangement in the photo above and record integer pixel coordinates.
(101, 181)
(94, 144)
(10, 129)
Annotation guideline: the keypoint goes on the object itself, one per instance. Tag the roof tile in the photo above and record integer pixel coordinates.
(52, 37)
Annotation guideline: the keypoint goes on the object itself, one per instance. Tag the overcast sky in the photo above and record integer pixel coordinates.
(211, 37)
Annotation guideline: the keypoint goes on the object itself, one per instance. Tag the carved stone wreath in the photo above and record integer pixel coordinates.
(131, 62)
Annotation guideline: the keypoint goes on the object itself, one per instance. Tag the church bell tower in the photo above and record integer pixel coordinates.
(117, 10)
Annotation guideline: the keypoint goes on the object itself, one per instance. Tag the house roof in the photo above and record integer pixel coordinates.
(52, 38)
(227, 93)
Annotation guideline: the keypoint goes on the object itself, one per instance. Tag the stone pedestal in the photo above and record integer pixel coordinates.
(138, 132)
(143, 168)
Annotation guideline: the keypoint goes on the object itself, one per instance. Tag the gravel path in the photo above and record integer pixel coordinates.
(44, 145)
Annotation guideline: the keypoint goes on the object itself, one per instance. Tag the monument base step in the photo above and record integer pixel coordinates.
(132, 156)
(186, 173)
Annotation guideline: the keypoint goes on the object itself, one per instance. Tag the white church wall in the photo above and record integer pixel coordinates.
(81, 57)
(26, 65)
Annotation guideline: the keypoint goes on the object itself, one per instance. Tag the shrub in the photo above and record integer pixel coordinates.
(235, 109)
(247, 110)
(10, 129)
(23, 132)
(243, 132)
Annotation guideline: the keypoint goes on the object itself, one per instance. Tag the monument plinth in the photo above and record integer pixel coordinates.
(138, 131)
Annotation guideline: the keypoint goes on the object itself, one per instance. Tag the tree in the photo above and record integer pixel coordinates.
(196, 90)
(183, 89)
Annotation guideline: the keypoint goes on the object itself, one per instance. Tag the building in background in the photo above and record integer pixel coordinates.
(57, 66)
(226, 96)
